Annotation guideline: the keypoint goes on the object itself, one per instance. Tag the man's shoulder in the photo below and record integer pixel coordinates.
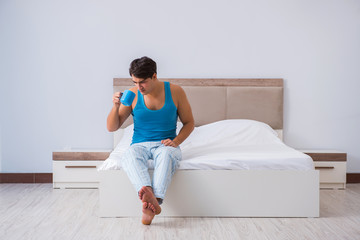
(133, 89)
(176, 88)
(177, 92)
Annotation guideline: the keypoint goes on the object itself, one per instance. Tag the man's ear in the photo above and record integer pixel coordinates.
(154, 76)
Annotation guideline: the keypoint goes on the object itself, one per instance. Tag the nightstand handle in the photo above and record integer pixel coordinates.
(80, 166)
(324, 167)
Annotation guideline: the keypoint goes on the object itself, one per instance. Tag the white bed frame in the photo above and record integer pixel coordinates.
(222, 193)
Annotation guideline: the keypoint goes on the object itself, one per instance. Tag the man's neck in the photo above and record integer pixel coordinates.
(157, 91)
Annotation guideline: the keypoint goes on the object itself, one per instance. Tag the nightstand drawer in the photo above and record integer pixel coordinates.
(331, 172)
(332, 167)
(72, 174)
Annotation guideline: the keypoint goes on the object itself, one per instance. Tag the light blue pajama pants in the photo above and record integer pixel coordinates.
(135, 164)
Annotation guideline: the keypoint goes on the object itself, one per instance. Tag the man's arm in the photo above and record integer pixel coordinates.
(186, 117)
(118, 114)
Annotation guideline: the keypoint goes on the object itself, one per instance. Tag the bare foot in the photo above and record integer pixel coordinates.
(141, 192)
(148, 196)
(148, 213)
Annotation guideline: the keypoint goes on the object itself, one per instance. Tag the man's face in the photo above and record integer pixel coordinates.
(145, 86)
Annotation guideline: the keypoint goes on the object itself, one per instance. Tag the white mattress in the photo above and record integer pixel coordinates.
(229, 144)
(274, 157)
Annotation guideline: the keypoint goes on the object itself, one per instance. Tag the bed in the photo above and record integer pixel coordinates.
(253, 175)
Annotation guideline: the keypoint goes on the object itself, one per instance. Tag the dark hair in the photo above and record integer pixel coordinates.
(143, 67)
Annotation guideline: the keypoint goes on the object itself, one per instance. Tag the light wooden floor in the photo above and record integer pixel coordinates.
(36, 211)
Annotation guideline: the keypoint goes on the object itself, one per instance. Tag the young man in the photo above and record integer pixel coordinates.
(155, 110)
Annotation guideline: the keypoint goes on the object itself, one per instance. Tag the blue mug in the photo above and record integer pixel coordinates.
(127, 97)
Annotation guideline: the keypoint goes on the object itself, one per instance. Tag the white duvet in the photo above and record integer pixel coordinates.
(228, 144)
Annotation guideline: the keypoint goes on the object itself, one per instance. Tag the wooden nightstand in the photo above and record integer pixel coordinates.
(77, 168)
(332, 166)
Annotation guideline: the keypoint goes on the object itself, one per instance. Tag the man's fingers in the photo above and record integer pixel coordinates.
(116, 97)
(116, 100)
(168, 142)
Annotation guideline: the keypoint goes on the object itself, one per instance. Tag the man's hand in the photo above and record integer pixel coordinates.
(116, 99)
(169, 142)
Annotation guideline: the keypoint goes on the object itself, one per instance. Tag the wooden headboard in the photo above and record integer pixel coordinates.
(218, 99)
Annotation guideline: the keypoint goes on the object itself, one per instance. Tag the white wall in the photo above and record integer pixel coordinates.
(58, 59)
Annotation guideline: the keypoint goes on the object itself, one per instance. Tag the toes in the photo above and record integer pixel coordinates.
(142, 192)
(151, 207)
(144, 189)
